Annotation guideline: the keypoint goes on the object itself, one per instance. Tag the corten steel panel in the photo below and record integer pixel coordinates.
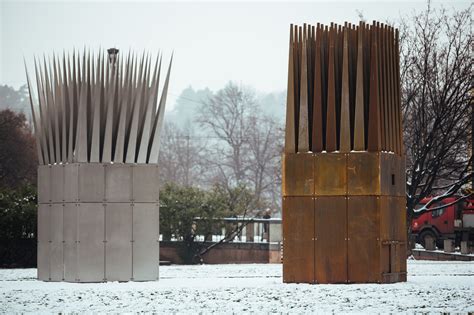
(43, 241)
(400, 204)
(70, 242)
(401, 182)
(118, 183)
(91, 182)
(363, 239)
(298, 174)
(330, 240)
(118, 248)
(57, 183)
(384, 259)
(44, 184)
(392, 174)
(393, 233)
(363, 173)
(387, 169)
(56, 245)
(298, 239)
(146, 256)
(393, 218)
(145, 183)
(90, 256)
(394, 258)
(71, 182)
(330, 174)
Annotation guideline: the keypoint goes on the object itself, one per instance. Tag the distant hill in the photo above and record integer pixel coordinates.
(185, 110)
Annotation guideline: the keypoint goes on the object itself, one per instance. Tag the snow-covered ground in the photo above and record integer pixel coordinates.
(431, 287)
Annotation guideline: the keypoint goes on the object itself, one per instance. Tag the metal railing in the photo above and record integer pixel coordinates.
(250, 230)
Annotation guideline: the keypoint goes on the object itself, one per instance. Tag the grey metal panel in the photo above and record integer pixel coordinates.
(90, 257)
(44, 184)
(145, 183)
(43, 241)
(43, 261)
(56, 245)
(70, 223)
(57, 183)
(118, 248)
(91, 182)
(146, 260)
(71, 182)
(146, 256)
(43, 222)
(118, 183)
(70, 245)
(145, 221)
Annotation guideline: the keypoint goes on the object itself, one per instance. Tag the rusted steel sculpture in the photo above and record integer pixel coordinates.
(97, 127)
(344, 166)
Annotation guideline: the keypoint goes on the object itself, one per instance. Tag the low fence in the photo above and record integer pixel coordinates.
(252, 230)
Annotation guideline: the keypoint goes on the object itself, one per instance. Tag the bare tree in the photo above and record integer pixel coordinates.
(265, 147)
(181, 158)
(436, 90)
(247, 145)
(227, 115)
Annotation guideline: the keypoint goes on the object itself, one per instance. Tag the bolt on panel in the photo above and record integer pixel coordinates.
(387, 169)
(90, 258)
(146, 257)
(71, 182)
(44, 184)
(363, 173)
(118, 248)
(44, 211)
(70, 242)
(392, 176)
(43, 256)
(57, 183)
(363, 238)
(118, 183)
(56, 245)
(146, 260)
(330, 240)
(330, 174)
(298, 178)
(91, 182)
(384, 257)
(401, 182)
(298, 243)
(43, 261)
(145, 184)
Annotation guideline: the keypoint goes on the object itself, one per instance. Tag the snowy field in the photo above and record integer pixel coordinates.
(431, 287)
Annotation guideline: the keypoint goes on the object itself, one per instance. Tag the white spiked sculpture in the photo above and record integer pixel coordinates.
(97, 125)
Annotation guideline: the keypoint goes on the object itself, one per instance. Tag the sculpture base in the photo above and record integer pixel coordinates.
(98, 222)
(344, 218)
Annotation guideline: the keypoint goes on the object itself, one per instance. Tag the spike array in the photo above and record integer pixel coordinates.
(92, 109)
(343, 177)
(343, 89)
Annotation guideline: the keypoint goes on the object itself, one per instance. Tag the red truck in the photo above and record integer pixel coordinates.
(454, 222)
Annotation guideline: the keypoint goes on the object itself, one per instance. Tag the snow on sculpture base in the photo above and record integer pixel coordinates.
(98, 222)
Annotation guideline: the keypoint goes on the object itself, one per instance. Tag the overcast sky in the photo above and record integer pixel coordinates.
(213, 42)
